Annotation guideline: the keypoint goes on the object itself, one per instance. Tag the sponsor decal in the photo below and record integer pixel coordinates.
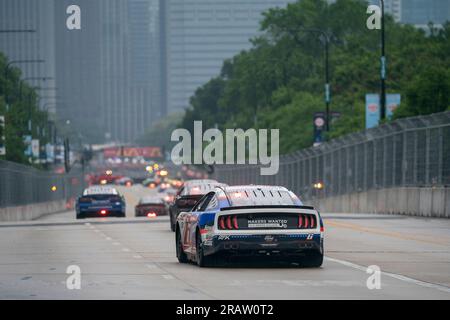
(268, 223)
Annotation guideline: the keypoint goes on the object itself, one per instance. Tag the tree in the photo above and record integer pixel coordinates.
(279, 81)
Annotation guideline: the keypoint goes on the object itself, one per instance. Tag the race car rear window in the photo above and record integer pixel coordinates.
(257, 197)
(99, 190)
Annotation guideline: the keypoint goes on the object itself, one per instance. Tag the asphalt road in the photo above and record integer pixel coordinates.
(134, 258)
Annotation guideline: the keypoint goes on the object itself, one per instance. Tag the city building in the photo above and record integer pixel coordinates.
(200, 35)
(38, 45)
(110, 69)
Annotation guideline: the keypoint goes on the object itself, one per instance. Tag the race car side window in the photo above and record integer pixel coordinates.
(199, 203)
(203, 203)
(213, 204)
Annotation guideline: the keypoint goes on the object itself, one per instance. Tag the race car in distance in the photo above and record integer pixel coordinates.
(250, 221)
(151, 207)
(188, 195)
(100, 201)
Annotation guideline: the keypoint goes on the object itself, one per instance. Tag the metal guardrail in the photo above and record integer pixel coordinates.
(408, 152)
(22, 185)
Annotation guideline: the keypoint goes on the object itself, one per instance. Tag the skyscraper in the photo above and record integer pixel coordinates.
(421, 12)
(417, 12)
(109, 69)
(200, 35)
(39, 45)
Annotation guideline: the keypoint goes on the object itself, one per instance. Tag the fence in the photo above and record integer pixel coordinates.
(407, 152)
(22, 185)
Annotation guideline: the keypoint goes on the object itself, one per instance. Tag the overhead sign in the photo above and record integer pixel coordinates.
(35, 148)
(319, 127)
(130, 152)
(372, 110)
(392, 103)
(27, 141)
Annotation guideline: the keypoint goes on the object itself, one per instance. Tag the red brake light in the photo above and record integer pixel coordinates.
(300, 221)
(235, 222)
(229, 226)
(151, 215)
(103, 212)
(222, 223)
(312, 222)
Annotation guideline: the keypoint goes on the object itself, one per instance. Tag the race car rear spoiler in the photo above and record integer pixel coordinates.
(268, 207)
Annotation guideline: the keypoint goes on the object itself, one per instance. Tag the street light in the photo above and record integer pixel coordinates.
(17, 62)
(327, 72)
(383, 67)
(17, 31)
(32, 78)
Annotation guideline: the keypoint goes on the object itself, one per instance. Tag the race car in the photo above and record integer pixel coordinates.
(100, 201)
(188, 195)
(250, 221)
(151, 207)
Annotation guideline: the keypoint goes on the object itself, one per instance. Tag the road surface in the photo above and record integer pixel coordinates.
(134, 258)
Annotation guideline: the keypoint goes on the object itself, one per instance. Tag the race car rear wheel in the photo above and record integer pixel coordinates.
(181, 255)
(202, 260)
(172, 222)
(313, 259)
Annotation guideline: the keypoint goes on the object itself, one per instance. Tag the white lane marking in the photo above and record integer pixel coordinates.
(108, 238)
(116, 244)
(151, 266)
(136, 256)
(126, 250)
(167, 277)
(393, 275)
(96, 230)
(87, 223)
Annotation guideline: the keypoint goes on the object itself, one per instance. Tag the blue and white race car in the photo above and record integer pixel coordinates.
(250, 221)
(100, 201)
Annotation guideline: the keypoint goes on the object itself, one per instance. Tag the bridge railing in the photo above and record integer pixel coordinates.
(407, 152)
(22, 185)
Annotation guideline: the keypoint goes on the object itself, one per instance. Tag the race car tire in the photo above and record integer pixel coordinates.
(172, 223)
(313, 260)
(181, 255)
(202, 260)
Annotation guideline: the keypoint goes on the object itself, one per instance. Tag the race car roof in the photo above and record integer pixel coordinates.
(100, 190)
(198, 187)
(151, 200)
(199, 181)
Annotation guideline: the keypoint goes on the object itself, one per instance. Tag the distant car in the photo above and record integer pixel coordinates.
(150, 183)
(124, 181)
(168, 195)
(188, 195)
(100, 201)
(151, 207)
(164, 186)
(265, 221)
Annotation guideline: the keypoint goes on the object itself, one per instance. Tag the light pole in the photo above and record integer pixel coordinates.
(17, 31)
(17, 62)
(383, 66)
(327, 72)
(32, 78)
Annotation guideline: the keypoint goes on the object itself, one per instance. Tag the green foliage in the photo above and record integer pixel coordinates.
(279, 82)
(159, 133)
(18, 103)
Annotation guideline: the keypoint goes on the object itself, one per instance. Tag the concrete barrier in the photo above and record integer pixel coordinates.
(424, 202)
(32, 211)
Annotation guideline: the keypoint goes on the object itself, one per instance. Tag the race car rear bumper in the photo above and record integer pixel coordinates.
(97, 213)
(265, 244)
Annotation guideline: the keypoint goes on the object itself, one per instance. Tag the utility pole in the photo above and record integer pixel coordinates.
(383, 66)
